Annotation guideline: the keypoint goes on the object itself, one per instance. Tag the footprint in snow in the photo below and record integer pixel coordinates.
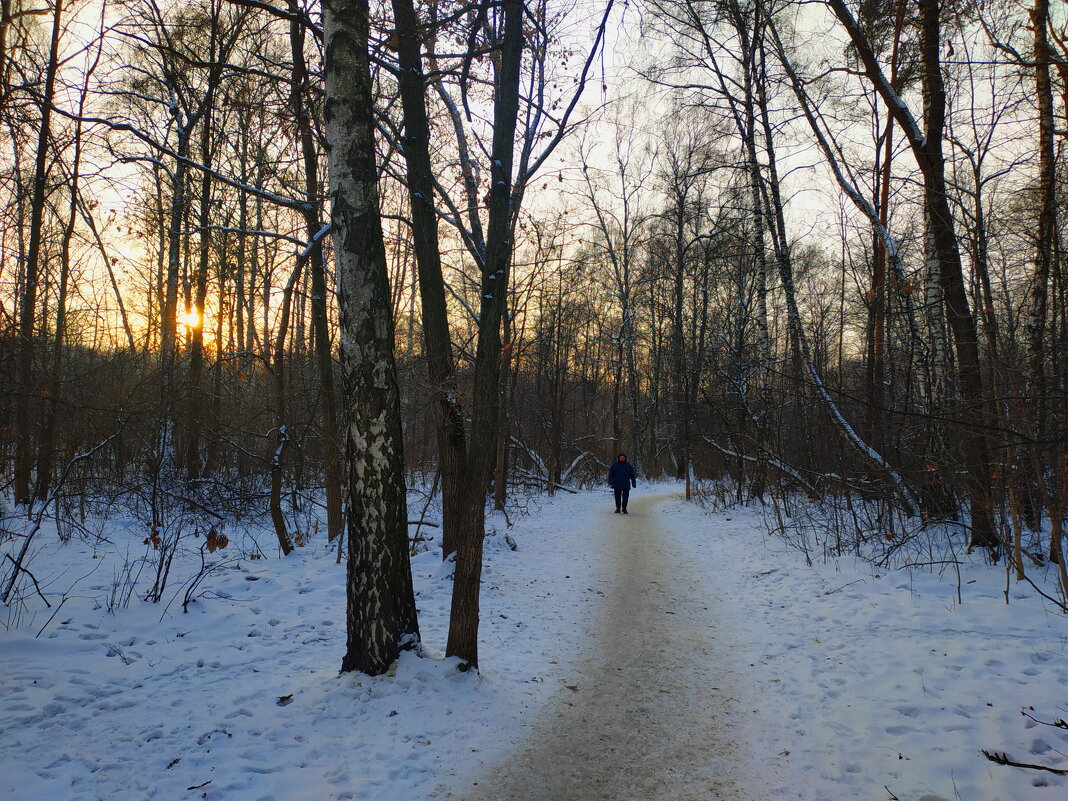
(898, 731)
(1040, 746)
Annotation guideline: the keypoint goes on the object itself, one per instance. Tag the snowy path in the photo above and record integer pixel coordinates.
(650, 717)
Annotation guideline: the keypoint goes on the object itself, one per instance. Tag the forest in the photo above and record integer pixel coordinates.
(285, 261)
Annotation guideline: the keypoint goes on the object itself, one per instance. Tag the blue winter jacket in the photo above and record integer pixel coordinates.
(621, 473)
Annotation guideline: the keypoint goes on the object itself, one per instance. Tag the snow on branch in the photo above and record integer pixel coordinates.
(776, 463)
(848, 184)
(575, 463)
(535, 459)
(875, 74)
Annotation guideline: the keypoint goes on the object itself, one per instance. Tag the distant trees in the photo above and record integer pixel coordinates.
(616, 195)
(921, 317)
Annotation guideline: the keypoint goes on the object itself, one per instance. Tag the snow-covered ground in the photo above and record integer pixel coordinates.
(862, 684)
(879, 684)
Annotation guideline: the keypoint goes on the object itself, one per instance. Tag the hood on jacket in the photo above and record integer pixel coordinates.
(621, 454)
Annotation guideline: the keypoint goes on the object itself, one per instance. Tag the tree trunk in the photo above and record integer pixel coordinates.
(47, 451)
(509, 372)
(319, 296)
(24, 446)
(1045, 235)
(437, 340)
(281, 425)
(47, 458)
(381, 613)
(193, 422)
(463, 623)
(169, 308)
(927, 148)
(951, 273)
(747, 128)
(875, 372)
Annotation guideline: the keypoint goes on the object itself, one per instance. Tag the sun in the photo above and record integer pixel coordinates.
(189, 319)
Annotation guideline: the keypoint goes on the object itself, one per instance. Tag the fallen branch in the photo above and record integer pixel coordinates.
(1003, 759)
(780, 465)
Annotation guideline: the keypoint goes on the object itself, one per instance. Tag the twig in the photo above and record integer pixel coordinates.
(422, 515)
(1003, 759)
(1056, 601)
(40, 515)
(33, 578)
(51, 617)
(1057, 724)
(836, 589)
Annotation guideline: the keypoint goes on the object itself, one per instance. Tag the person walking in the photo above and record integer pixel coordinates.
(621, 478)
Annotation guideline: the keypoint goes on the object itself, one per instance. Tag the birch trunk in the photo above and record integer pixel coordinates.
(381, 613)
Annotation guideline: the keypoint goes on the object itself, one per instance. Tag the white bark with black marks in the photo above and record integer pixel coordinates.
(381, 614)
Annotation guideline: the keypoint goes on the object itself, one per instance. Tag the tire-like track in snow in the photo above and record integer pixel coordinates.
(650, 717)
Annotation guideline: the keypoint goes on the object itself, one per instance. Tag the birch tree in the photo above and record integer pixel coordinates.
(381, 613)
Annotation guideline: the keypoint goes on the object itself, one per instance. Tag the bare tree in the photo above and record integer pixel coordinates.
(320, 296)
(469, 456)
(24, 439)
(927, 147)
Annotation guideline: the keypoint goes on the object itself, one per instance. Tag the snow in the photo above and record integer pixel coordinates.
(871, 679)
(848, 679)
(146, 702)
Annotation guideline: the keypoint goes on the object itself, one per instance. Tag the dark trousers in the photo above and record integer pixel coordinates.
(622, 493)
